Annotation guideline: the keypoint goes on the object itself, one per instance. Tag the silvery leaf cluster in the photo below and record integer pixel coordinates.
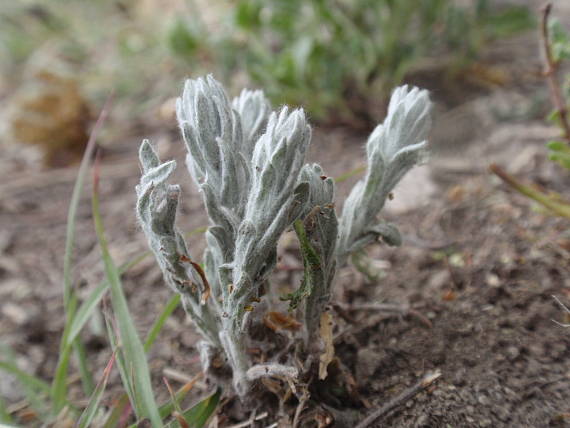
(249, 164)
(393, 148)
(157, 204)
(246, 160)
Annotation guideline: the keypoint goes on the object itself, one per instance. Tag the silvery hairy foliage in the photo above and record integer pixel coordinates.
(393, 148)
(249, 164)
(157, 203)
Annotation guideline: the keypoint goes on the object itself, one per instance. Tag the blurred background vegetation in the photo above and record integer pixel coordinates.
(339, 59)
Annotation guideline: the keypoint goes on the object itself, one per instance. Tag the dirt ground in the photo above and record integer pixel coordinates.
(479, 266)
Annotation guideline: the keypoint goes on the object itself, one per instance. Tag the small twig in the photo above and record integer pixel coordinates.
(302, 404)
(550, 69)
(184, 378)
(425, 382)
(427, 245)
(272, 370)
(289, 268)
(254, 417)
(563, 307)
(393, 308)
(16, 407)
(343, 312)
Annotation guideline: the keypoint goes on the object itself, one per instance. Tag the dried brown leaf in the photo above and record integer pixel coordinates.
(280, 321)
(326, 332)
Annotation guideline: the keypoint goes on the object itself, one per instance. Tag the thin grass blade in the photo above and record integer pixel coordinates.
(5, 417)
(59, 385)
(58, 391)
(131, 345)
(198, 415)
(121, 364)
(74, 204)
(168, 408)
(87, 381)
(117, 412)
(173, 399)
(92, 408)
(88, 306)
(24, 378)
(35, 390)
(352, 173)
(171, 305)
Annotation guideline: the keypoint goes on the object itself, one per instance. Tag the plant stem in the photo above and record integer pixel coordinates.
(350, 174)
(559, 208)
(424, 383)
(550, 70)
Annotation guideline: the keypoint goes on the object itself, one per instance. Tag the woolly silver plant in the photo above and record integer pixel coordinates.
(393, 148)
(248, 163)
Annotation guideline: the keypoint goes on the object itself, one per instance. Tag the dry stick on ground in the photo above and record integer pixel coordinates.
(425, 382)
(302, 404)
(563, 307)
(550, 69)
(389, 308)
(251, 421)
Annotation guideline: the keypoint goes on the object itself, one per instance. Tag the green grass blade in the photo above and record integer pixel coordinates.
(32, 382)
(356, 171)
(86, 377)
(74, 204)
(85, 311)
(88, 306)
(175, 402)
(132, 347)
(5, 417)
(197, 231)
(159, 323)
(198, 415)
(35, 390)
(125, 378)
(167, 408)
(59, 385)
(90, 411)
(117, 411)
(71, 333)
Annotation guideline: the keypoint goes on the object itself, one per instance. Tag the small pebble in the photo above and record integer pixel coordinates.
(14, 313)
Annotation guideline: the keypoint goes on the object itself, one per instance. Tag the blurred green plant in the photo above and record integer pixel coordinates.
(346, 51)
(556, 49)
